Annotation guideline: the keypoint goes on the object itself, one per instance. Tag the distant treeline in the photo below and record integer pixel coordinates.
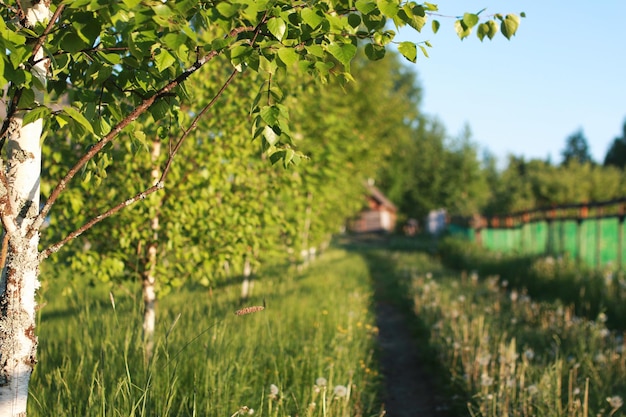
(430, 170)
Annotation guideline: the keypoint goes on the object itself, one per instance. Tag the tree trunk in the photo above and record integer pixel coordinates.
(304, 252)
(19, 282)
(148, 280)
(246, 285)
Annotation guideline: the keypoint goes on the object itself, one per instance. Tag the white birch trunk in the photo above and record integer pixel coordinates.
(247, 284)
(148, 282)
(18, 342)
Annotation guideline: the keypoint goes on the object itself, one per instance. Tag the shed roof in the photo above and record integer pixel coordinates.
(378, 195)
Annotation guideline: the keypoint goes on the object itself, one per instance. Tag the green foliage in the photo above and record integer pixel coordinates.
(529, 184)
(465, 24)
(432, 172)
(616, 155)
(576, 149)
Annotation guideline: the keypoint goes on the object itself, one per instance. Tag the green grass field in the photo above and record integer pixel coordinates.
(209, 361)
(493, 349)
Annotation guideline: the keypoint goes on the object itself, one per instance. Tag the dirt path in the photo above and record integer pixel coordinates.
(409, 389)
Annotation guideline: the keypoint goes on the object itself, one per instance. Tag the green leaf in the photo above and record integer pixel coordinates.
(435, 26)
(311, 17)
(354, 20)
(270, 136)
(413, 16)
(365, 6)
(270, 114)
(163, 59)
(489, 29)
(509, 25)
(72, 43)
(112, 59)
(227, 9)
(408, 50)
(39, 112)
(3, 80)
(239, 53)
(289, 56)
(342, 52)
(277, 27)
(424, 51)
(78, 117)
(461, 29)
(389, 8)
(375, 52)
(27, 98)
(483, 28)
(470, 20)
(383, 38)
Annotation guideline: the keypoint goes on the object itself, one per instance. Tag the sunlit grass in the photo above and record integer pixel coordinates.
(317, 327)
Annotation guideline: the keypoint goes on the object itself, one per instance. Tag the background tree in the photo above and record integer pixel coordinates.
(576, 149)
(616, 155)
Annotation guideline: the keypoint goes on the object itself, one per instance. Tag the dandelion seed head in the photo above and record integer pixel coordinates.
(274, 391)
(484, 359)
(532, 389)
(321, 382)
(340, 391)
(529, 354)
(486, 380)
(615, 402)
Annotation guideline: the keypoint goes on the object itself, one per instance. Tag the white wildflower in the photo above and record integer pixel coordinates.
(615, 402)
(486, 380)
(529, 353)
(274, 391)
(321, 382)
(340, 391)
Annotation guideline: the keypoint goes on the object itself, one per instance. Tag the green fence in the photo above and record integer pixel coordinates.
(590, 233)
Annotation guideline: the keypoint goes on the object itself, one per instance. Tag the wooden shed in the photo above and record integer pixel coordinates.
(379, 214)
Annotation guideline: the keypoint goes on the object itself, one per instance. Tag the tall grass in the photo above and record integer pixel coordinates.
(310, 352)
(588, 290)
(506, 354)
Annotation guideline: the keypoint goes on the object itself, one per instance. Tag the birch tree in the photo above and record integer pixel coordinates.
(113, 63)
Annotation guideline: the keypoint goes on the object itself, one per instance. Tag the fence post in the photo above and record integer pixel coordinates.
(620, 235)
(582, 215)
(599, 238)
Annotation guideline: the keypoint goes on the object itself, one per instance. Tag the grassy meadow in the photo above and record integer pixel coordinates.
(311, 352)
(492, 346)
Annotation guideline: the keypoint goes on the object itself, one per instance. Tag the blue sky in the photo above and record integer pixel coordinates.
(565, 70)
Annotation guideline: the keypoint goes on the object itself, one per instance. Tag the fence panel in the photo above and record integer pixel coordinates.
(590, 233)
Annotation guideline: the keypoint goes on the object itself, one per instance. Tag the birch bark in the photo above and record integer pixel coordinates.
(19, 282)
(148, 282)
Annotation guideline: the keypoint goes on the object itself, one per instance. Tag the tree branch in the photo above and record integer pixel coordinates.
(131, 117)
(12, 109)
(142, 195)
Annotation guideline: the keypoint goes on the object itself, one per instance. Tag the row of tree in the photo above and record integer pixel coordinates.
(441, 171)
(146, 110)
